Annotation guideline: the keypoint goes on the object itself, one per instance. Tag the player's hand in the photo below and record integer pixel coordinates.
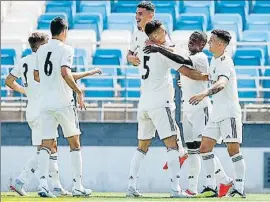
(134, 60)
(81, 101)
(196, 99)
(96, 71)
(179, 83)
(151, 49)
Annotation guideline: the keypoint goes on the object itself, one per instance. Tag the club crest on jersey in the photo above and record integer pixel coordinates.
(223, 58)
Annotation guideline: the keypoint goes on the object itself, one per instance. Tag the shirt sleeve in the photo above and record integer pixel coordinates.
(67, 58)
(199, 62)
(225, 69)
(16, 71)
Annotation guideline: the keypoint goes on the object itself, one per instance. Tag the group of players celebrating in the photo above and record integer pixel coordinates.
(49, 84)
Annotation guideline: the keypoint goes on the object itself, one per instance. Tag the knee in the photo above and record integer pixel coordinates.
(47, 144)
(143, 148)
(233, 149)
(204, 148)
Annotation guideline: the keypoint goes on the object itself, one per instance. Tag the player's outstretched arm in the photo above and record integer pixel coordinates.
(67, 76)
(79, 75)
(193, 74)
(167, 53)
(11, 82)
(216, 88)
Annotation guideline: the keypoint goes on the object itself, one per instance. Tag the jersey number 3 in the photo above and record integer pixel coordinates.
(145, 66)
(48, 66)
(25, 74)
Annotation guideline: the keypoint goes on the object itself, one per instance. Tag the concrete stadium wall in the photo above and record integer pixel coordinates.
(107, 152)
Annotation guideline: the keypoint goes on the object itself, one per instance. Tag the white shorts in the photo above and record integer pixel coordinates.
(66, 117)
(36, 132)
(194, 124)
(227, 130)
(161, 120)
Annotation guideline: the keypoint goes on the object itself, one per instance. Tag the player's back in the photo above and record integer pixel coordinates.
(25, 70)
(192, 87)
(156, 80)
(51, 57)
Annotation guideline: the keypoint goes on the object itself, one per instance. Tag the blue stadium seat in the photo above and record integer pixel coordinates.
(100, 83)
(121, 21)
(124, 7)
(45, 19)
(198, 7)
(92, 21)
(68, 7)
(167, 7)
(260, 6)
(101, 7)
(26, 52)
(129, 82)
(188, 21)
(229, 22)
(247, 82)
(107, 57)
(80, 57)
(8, 56)
(258, 22)
(166, 19)
(249, 57)
(240, 7)
(257, 36)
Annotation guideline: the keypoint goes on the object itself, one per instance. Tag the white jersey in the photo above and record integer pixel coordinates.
(192, 87)
(226, 102)
(50, 58)
(25, 70)
(156, 81)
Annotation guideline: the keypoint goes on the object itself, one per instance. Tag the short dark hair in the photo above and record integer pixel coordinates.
(147, 5)
(58, 25)
(152, 26)
(200, 35)
(36, 39)
(223, 35)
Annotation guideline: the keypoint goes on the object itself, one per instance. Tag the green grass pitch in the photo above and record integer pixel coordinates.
(102, 197)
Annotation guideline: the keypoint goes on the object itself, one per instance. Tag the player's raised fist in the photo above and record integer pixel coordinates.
(96, 71)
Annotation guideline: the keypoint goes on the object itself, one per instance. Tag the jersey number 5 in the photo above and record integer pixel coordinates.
(48, 70)
(145, 66)
(25, 74)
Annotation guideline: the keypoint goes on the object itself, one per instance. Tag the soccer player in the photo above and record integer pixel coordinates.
(156, 109)
(54, 62)
(195, 117)
(144, 14)
(225, 120)
(25, 70)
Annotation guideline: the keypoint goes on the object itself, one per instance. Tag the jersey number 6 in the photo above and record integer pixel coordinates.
(145, 66)
(48, 71)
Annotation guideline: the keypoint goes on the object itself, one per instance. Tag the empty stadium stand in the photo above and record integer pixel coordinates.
(100, 32)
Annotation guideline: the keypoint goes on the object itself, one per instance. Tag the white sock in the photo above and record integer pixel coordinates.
(54, 171)
(194, 169)
(221, 176)
(76, 162)
(240, 171)
(180, 148)
(209, 165)
(43, 166)
(173, 164)
(136, 164)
